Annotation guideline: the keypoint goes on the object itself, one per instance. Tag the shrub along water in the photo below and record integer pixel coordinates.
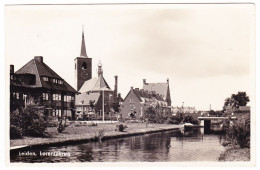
(238, 133)
(29, 122)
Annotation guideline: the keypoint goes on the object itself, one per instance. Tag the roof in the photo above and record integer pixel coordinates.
(145, 94)
(244, 108)
(40, 69)
(86, 97)
(16, 81)
(159, 88)
(95, 84)
(83, 47)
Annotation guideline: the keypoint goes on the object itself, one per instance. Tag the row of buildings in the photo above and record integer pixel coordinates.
(91, 96)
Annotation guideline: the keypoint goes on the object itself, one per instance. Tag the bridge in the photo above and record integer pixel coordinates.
(216, 118)
(206, 121)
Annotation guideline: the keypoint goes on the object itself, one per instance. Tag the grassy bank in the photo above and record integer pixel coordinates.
(235, 153)
(80, 133)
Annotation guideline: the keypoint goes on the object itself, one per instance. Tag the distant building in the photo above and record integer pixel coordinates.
(152, 94)
(182, 109)
(94, 92)
(37, 81)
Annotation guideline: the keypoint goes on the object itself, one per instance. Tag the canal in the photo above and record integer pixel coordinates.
(170, 146)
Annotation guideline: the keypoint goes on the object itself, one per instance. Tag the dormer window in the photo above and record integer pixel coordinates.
(45, 78)
(60, 81)
(55, 80)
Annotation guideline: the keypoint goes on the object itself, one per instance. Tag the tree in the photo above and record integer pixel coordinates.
(241, 98)
(150, 114)
(232, 103)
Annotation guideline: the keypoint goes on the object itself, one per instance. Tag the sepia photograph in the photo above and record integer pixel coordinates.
(153, 82)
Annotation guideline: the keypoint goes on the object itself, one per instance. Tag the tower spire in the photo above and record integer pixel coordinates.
(100, 70)
(83, 47)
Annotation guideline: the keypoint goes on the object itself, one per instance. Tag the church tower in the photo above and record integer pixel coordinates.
(83, 66)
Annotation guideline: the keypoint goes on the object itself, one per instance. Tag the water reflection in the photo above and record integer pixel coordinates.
(193, 145)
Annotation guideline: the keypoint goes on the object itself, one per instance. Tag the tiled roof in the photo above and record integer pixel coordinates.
(17, 82)
(145, 94)
(159, 88)
(40, 69)
(86, 97)
(95, 84)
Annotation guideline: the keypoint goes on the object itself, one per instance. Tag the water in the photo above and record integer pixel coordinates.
(168, 146)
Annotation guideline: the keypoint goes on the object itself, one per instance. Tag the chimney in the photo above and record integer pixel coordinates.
(115, 89)
(137, 89)
(167, 80)
(39, 58)
(131, 88)
(119, 97)
(144, 81)
(11, 69)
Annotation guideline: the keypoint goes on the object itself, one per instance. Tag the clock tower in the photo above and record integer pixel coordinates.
(83, 66)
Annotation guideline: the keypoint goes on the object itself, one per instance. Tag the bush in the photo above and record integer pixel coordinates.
(173, 120)
(93, 124)
(33, 122)
(15, 132)
(15, 125)
(60, 127)
(239, 132)
(121, 127)
(29, 122)
(190, 119)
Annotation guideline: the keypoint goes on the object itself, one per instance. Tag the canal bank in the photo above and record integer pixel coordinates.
(164, 146)
(87, 133)
(235, 153)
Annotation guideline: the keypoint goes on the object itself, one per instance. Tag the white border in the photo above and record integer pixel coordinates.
(3, 125)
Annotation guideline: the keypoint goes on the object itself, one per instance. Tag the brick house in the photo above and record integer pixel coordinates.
(37, 81)
(152, 94)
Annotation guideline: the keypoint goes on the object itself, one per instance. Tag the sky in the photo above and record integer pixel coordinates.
(206, 51)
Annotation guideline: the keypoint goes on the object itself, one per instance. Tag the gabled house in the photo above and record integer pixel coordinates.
(137, 100)
(37, 81)
(162, 89)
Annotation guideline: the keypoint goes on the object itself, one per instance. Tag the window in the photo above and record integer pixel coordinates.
(84, 66)
(56, 112)
(24, 96)
(60, 81)
(59, 112)
(55, 80)
(45, 78)
(45, 96)
(69, 113)
(56, 97)
(17, 95)
(67, 98)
